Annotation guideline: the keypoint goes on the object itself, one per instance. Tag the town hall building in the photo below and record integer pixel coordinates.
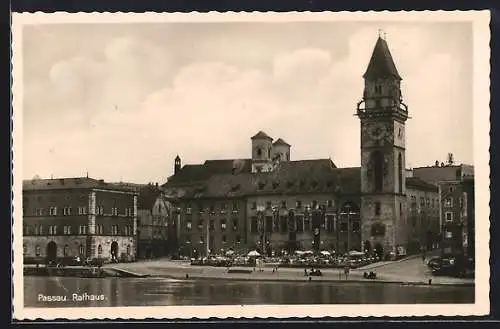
(273, 203)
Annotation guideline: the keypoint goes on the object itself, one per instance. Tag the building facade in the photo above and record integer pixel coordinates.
(271, 203)
(84, 217)
(456, 194)
(154, 222)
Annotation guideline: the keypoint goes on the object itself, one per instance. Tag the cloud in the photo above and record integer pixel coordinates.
(133, 110)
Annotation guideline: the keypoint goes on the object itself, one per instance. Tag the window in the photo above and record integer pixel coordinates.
(200, 207)
(37, 250)
(212, 208)
(224, 239)
(66, 251)
(314, 204)
(82, 229)
(235, 205)
(259, 152)
(377, 208)
(99, 229)
(330, 223)
(451, 189)
(81, 250)
(377, 103)
(99, 250)
(269, 224)
(283, 204)
(188, 209)
(223, 225)
(114, 211)
(52, 230)
(53, 211)
(25, 249)
(268, 204)
(448, 202)
(449, 216)
(100, 210)
(355, 226)
(254, 205)
(114, 229)
(212, 224)
(298, 204)
(128, 250)
(283, 224)
(307, 223)
(329, 203)
(238, 239)
(300, 223)
(276, 224)
(254, 225)
(202, 239)
(188, 225)
(422, 201)
(39, 212)
(200, 224)
(82, 210)
(40, 229)
(67, 211)
(448, 235)
(343, 227)
(377, 161)
(67, 230)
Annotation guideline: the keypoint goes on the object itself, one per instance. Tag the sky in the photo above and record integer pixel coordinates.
(120, 101)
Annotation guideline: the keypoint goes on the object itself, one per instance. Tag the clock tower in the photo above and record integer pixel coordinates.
(383, 192)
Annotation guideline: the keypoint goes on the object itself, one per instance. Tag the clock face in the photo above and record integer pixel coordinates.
(377, 131)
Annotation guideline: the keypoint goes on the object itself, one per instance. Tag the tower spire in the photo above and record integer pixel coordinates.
(381, 64)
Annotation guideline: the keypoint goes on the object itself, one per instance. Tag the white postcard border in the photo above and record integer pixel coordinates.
(481, 94)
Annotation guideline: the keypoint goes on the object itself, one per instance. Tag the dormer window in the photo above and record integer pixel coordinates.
(261, 185)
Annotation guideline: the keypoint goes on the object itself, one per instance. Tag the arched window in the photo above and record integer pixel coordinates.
(378, 170)
(81, 250)
(99, 250)
(37, 250)
(128, 250)
(259, 152)
(400, 172)
(377, 208)
(66, 250)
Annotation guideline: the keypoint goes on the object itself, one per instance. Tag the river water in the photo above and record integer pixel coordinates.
(164, 292)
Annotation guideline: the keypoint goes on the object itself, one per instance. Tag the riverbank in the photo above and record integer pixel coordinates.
(408, 272)
(183, 271)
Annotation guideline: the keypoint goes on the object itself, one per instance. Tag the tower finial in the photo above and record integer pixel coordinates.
(380, 33)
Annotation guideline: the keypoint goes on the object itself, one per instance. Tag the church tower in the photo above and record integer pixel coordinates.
(262, 146)
(383, 192)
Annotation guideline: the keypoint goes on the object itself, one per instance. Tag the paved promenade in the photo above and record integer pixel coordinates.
(408, 271)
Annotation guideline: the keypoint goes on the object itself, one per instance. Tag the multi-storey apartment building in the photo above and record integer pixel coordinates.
(81, 216)
(456, 193)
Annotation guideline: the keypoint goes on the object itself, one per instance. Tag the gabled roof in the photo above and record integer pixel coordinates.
(72, 183)
(261, 135)
(280, 141)
(293, 177)
(381, 63)
(190, 174)
(148, 196)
